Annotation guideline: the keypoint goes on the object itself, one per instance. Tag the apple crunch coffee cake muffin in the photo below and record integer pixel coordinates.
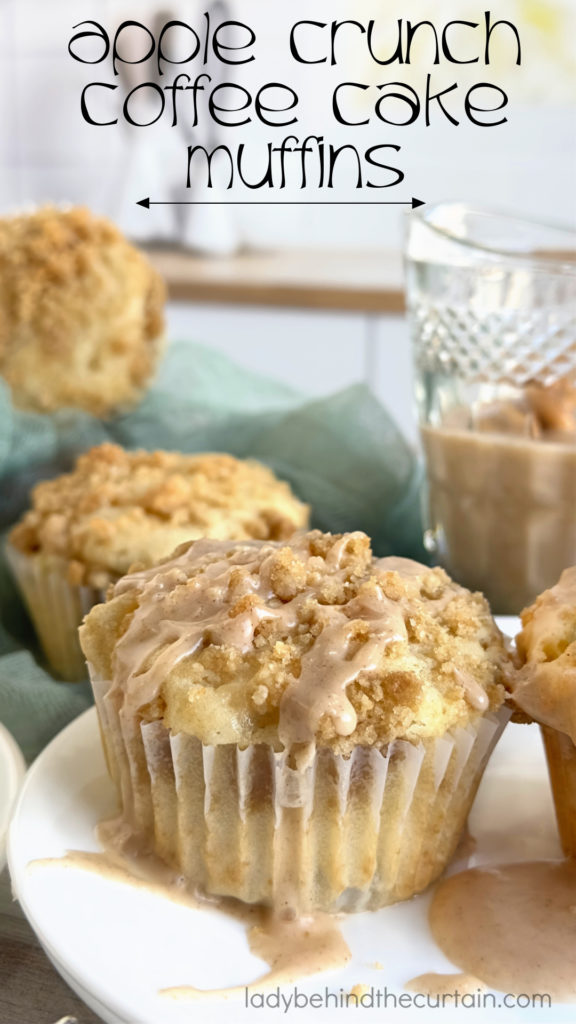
(85, 529)
(81, 313)
(299, 725)
(545, 689)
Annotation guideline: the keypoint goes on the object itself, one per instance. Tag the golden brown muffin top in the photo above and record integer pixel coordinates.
(123, 507)
(545, 688)
(81, 312)
(311, 642)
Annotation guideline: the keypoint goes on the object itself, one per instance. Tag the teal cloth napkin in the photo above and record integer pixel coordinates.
(342, 454)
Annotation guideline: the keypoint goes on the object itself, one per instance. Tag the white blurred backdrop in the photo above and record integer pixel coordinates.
(527, 166)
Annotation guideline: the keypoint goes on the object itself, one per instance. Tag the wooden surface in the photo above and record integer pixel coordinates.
(362, 281)
(31, 991)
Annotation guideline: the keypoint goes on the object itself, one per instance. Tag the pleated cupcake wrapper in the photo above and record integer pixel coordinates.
(56, 608)
(561, 758)
(345, 834)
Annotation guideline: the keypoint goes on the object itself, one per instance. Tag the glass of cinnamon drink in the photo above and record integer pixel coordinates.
(492, 306)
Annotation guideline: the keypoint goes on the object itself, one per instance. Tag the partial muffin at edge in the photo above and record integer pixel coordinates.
(545, 687)
(545, 690)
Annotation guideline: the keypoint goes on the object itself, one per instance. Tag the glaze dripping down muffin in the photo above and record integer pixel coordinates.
(260, 683)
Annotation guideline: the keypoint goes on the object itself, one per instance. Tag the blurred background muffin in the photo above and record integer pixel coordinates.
(85, 529)
(297, 724)
(81, 313)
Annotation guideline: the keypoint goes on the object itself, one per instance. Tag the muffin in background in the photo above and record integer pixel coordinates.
(85, 529)
(545, 690)
(296, 725)
(81, 313)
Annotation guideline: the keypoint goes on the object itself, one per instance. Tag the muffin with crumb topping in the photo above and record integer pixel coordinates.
(299, 724)
(81, 313)
(545, 690)
(117, 508)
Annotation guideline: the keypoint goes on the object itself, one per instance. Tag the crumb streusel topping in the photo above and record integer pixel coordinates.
(81, 312)
(545, 687)
(123, 507)
(311, 642)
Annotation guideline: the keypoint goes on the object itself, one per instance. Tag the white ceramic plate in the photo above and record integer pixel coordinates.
(117, 946)
(12, 770)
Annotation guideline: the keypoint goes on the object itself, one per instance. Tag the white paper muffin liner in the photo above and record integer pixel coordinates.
(347, 834)
(56, 608)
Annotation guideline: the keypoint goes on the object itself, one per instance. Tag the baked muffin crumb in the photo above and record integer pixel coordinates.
(310, 641)
(545, 686)
(119, 507)
(81, 312)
